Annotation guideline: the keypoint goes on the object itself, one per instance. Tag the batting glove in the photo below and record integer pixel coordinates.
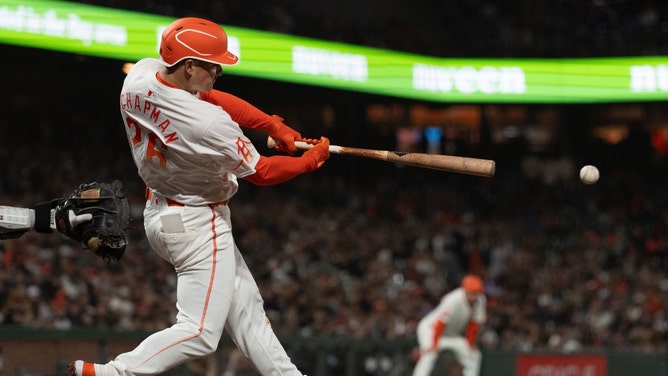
(284, 136)
(319, 153)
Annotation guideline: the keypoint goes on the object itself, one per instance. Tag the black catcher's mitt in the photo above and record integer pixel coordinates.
(106, 233)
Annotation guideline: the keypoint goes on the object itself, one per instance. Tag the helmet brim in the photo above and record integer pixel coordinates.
(227, 58)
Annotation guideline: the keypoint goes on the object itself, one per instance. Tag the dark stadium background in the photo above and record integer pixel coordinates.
(360, 249)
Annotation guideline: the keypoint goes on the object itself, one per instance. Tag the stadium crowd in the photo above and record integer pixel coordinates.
(476, 28)
(567, 266)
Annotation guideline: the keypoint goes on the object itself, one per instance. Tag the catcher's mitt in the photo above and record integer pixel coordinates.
(105, 234)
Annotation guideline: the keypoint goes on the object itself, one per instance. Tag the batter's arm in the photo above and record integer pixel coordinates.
(279, 168)
(242, 112)
(247, 115)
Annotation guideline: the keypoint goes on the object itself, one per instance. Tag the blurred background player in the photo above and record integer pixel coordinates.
(453, 325)
(189, 150)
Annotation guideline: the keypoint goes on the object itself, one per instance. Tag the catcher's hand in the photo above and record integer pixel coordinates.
(105, 233)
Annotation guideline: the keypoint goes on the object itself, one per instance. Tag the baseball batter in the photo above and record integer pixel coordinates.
(453, 325)
(189, 149)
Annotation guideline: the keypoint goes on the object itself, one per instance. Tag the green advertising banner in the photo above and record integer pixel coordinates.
(125, 35)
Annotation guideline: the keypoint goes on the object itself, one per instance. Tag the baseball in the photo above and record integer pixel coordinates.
(589, 174)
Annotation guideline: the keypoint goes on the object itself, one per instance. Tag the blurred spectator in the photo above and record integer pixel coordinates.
(568, 267)
(335, 264)
(477, 28)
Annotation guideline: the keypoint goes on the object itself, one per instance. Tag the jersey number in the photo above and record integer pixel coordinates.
(154, 146)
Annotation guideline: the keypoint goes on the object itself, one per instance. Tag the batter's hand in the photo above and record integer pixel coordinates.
(319, 152)
(284, 136)
(311, 141)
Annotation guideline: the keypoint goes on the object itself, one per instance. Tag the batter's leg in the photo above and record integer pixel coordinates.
(250, 329)
(205, 270)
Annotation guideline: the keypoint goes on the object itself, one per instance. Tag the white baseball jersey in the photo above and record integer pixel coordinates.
(171, 130)
(455, 311)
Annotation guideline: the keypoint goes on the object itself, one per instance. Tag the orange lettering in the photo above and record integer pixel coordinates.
(153, 152)
(131, 123)
(127, 103)
(171, 137)
(155, 114)
(163, 126)
(243, 150)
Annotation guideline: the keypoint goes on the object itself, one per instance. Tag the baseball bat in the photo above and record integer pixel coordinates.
(449, 163)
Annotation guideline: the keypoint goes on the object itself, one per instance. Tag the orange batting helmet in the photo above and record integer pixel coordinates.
(196, 38)
(472, 283)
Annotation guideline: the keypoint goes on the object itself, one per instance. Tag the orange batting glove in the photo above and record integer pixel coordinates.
(312, 141)
(284, 136)
(319, 153)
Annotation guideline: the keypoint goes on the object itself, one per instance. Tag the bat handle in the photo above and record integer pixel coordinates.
(303, 145)
(271, 143)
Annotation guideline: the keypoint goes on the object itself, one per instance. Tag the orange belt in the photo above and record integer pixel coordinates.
(170, 202)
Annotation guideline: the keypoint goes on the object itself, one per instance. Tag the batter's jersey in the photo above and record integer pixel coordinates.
(455, 311)
(185, 148)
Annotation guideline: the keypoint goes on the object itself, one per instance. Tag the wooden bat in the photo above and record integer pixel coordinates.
(450, 163)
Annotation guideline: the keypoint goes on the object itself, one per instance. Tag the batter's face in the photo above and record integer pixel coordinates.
(204, 75)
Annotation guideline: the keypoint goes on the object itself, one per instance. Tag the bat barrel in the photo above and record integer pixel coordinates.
(450, 163)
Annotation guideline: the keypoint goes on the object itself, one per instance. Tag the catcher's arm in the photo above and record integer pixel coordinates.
(95, 214)
(16, 221)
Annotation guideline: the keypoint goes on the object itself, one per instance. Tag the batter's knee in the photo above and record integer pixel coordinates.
(209, 340)
(203, 342)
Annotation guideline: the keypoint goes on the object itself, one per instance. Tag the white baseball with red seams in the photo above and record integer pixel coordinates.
(589, 174)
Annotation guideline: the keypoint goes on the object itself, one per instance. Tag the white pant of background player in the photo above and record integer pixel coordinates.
(215, 292)
(470, 359)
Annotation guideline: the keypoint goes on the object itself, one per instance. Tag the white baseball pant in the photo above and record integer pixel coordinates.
(469, 358)
(215, 292)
